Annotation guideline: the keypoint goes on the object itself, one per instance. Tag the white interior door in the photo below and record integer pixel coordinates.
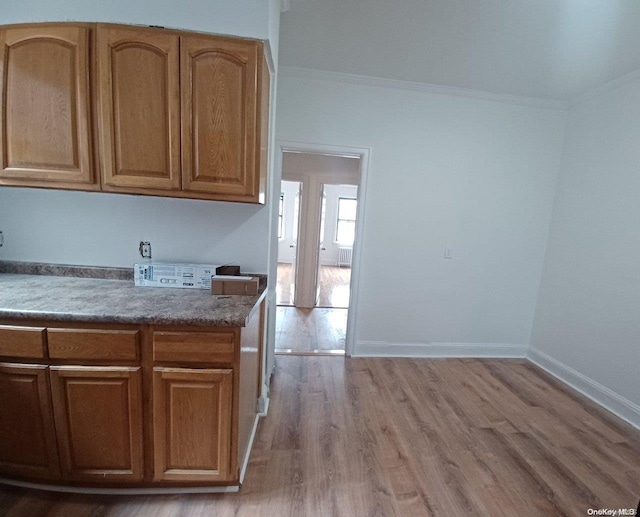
(288, 230)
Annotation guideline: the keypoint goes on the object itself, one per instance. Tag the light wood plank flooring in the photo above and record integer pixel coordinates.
(334, 286)
(407, 437)
(310, 330)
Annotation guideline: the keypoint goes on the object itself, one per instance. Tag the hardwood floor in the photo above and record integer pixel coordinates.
(334, 286)
(310, 330)
(284, 286)
(407, 437)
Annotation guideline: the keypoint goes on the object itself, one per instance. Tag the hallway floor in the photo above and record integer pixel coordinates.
(334, 286)
(316, 330)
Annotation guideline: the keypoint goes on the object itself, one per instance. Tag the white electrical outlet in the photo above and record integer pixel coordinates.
(448, 253)
(145, 249)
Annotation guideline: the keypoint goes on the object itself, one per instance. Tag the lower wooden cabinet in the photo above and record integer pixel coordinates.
(192, 410)
(128, 406)
(98, 415)
(27, 444)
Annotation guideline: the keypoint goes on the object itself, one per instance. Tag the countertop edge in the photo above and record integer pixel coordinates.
(62, 317)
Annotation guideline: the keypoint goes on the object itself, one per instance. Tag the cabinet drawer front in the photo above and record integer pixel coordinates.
(194, 347)
(119, 345)
(25, 342)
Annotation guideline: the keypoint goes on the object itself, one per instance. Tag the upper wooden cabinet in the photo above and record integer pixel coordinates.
(175, 114)
(163, 97)
(139, 106)
(219, 116)
(45, 133)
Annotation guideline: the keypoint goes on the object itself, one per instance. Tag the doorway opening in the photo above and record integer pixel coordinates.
(317, 221)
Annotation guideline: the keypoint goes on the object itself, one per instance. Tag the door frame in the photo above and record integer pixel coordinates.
(363, 154)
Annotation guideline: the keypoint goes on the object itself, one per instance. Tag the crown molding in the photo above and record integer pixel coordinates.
(609, 87)
(306, 73)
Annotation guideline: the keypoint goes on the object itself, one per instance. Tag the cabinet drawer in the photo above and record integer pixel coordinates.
(194, 347)
(119, 345)
(26, 342)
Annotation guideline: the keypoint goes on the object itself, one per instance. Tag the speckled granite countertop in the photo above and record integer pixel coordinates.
(61, 298)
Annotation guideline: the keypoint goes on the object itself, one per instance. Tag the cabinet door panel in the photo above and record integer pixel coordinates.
(219, 90)
(26, 422)
(139, 91)
(192, 424)
(45, 130)
(98, 415)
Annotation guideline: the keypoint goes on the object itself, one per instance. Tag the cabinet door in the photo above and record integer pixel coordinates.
(26, 422)
(192, 424)
(219, 93)
(44, 128)
(98, 416)
(139, 97)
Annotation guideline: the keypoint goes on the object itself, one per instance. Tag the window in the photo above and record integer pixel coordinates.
(346, 228)
(281, 217)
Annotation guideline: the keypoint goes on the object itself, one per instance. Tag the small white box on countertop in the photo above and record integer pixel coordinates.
(187, 276)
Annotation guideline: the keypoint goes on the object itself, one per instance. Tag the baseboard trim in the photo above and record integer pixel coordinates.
(608, 399)
(121, 491)
(245, 463)
(603, 396)
(439, 350)
(263, 406)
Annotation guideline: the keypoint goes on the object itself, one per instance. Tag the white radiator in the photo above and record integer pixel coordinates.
(344, 256)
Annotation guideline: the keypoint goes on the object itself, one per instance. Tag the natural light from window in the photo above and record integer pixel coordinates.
(346, 230)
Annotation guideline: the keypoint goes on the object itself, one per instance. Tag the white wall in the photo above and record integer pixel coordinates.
(273, 30)
(445, 171)
(247, 18)
(104, 229)
(588, 312)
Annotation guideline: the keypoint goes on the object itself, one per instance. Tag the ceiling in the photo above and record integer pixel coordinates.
(548, 49)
